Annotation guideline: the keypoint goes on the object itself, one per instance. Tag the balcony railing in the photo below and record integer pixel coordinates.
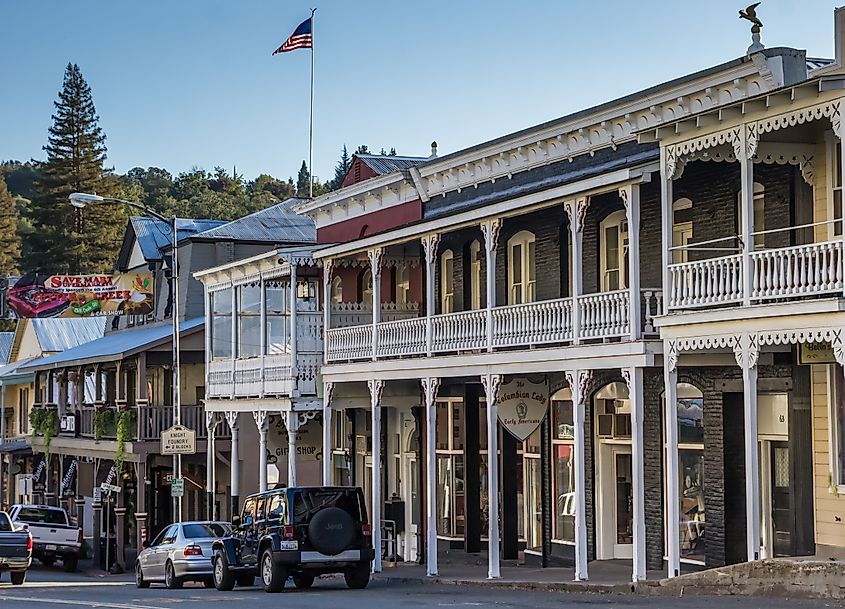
(359, 313)
(603, 316)
(151, 420)
(779, 274)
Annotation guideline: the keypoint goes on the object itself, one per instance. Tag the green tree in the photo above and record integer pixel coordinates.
(341, 169)
(66, 239)
(302, 179)
(10, 241)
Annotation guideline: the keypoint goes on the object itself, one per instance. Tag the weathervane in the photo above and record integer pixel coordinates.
(750, 14)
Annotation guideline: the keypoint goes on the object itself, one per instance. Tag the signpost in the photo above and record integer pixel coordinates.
(178, 440)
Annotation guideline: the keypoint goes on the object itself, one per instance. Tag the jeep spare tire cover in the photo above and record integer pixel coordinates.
(331, 530)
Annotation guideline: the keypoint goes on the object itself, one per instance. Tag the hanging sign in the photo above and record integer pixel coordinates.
(178, 440)
(68, 483)
(522, 406)
(33, 296)
(816, 353)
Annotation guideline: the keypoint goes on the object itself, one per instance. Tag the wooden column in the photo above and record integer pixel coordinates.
(430, 387)
(577, 381)
(673, 497)
(491, 383)
(376, 387)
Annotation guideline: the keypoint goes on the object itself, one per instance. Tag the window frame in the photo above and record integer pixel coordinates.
(337, 290)
(525, 290)
(619, 220)
(447, 282)
(475, 279)
(684, 230)
(222, 313)
(759, 194)
(253, 315)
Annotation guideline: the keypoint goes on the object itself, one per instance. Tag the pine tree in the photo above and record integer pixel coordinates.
(66, 239)
(10, 241)
(341, 168)
(302, 179)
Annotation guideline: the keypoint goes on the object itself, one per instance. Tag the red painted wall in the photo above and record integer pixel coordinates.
(370, 224)
(358, 172)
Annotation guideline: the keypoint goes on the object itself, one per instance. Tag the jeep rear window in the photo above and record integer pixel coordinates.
(308, 502)
(42, 515)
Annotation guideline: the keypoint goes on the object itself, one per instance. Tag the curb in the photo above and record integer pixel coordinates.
(645, 588)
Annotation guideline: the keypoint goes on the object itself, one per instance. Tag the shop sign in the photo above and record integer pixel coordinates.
(67, 424)
(816, 353)
(522, 406)
(36, 296)
(68, 484)
(178, 440)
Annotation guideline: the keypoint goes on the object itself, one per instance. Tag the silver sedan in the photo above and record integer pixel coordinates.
(180, 553)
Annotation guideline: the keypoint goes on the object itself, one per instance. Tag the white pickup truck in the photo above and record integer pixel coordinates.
(53, 535)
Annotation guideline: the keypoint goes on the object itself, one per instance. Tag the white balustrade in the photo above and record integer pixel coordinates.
(403, 337)
(462, 331)
(277, 374)
(652, 306)
(802, 270)
(358, 313)
(219, 378)
(547, 321)
(604, 315)
(248, 377)
(352, 342)
(705, 282)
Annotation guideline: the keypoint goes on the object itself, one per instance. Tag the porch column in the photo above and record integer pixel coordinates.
(120, 543)
(261, 422)
(630, 196)
(97, 509)
(490, 229)
(210, 462)
(234, 342)
(667, 218)
(234, 465)
(839, 132)
(209, 315)
(745, 149)
(746, 353)
(578, 380)
(491, 383)
(141, 504)
(430, 387)
(376, 387)
(328, 265)
(634, 378)
(292, 425)
(430, 243)
(262, 342)
(293, 333)
(375, 256)
(328, 389)
(673, 491)
(575, 209)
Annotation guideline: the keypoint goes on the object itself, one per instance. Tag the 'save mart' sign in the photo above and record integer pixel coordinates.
(522, 406)
(178, 440)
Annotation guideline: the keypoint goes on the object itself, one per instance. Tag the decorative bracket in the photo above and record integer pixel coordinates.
(328, 390)
(582, 382)
(211, 421)
(232, 419)
(375, 255)
(491, 384)
(430, 386)
(576, 209)
(261, 420)
(672, 355)
(490, 229)
(430, 243)
(746, 351)
(376, 388)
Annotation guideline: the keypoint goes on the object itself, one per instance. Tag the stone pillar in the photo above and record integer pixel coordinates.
(234, 466)
(578, 380)
(376, 387)
(491, 383)
(430, 387)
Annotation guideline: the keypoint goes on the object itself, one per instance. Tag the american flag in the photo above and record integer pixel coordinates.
(300, 39)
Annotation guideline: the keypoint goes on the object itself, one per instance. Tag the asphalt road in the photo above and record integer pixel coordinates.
(53, 588)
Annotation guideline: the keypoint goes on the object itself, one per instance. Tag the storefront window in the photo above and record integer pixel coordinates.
(563, 472)
(691, 473)
(532, 491)
(450, 495)
(221, 324)
(249, 320)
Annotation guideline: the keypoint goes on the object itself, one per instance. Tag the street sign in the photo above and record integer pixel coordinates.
(110, 488)
(177, 487)
(178, 440)
(98, 494)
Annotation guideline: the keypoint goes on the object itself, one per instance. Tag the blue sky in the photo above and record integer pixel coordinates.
(182, 83)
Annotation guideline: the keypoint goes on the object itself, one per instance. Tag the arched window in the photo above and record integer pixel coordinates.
(681, 229)
(403, 283)
(521, 279)
(337, 290)
(367, 287)
(759, 215)
(447, 282)
(613, 234)
(475, 275)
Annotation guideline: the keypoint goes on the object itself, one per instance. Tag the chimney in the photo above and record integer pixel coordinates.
(433, 150)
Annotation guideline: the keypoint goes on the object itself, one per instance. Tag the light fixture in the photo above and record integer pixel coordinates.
(81, 199)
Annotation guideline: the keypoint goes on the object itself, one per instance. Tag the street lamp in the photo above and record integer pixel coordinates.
(79, 200)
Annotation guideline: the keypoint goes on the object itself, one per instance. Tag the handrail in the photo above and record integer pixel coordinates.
(799, 227)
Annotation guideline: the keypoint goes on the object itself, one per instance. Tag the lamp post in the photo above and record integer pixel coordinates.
(80, 200)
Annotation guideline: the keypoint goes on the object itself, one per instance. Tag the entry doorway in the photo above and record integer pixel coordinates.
(411, 493)
(775, 481)
(614, 474)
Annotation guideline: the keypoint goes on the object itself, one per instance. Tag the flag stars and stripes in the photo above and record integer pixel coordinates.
(300, 39)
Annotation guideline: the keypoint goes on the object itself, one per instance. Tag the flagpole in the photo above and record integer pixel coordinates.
(311, 119)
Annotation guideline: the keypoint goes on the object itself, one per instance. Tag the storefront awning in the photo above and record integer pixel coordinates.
(11, 374)
(16, 447)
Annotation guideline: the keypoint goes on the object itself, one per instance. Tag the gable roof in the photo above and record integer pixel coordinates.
(59, 334)
(382, 164)
(154, 236)
(278, 223)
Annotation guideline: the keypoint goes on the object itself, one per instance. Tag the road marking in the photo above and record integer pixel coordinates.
(81, 603)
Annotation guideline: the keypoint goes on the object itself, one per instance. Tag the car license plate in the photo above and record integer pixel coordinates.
(50, 546)
(288, 545)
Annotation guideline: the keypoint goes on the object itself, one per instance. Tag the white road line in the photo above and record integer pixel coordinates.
(80, 603)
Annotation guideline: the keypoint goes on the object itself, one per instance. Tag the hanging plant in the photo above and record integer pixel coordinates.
(125, 426)
(104, 423)
(44, 422)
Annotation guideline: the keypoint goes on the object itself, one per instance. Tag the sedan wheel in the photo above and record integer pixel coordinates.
(170, 580)
(139, 578)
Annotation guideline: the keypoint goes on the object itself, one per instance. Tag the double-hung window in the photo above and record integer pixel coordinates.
(521, 278)
(277, 326)
(221, 324)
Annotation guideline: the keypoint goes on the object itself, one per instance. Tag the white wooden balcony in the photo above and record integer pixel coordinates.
(781, 274)
(602, 316)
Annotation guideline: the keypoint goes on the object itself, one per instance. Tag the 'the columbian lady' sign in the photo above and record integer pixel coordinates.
(522, 406)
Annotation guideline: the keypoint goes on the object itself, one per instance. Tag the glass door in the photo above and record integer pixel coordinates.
(623, 503)
(533, 503)
(780, 497)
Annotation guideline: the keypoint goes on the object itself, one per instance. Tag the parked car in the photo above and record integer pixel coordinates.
(54, 536)
(300, 532)
(15, 549)
(181, 552)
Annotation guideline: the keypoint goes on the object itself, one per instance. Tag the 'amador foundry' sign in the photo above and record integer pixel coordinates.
(522, 406)
(80, 295)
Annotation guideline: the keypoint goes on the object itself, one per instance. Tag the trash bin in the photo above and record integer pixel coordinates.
(112, 552)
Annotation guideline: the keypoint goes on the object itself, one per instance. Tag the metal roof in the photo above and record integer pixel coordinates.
(381, 163)
(114, 346)
(154, 236)
(275, 224)
(9, 373)
(6, 339)
(58, 334)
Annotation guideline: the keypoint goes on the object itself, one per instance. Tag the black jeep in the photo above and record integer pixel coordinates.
(300, 532)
